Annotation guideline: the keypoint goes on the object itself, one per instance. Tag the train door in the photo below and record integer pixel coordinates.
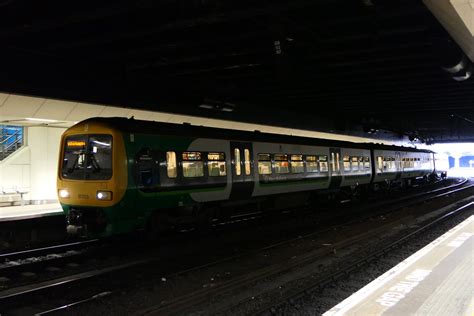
(242, 170)
(335, 167)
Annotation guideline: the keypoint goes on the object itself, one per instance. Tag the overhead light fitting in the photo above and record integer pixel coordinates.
(218, 106)
(227, 109)
(206, 106)
(40, 120)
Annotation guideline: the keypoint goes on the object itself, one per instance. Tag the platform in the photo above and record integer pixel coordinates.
(436, 280)
(12, 213)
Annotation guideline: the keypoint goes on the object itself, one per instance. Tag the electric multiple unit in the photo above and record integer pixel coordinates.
(119, 175)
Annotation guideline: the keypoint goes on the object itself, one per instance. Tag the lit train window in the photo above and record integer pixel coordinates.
(247, 165)
(215, 156)
(216, 164)
(171, 169)
(333, 162)
(192, 164)
(297, 165)
(380, 163)
(281, 163)
(238, 167)
(347, 163)
(87, 157)
(386, 163)
(264, 164)
(355, 163)
(191, 155)
(366, 163)
(323, 163)
(311, 164)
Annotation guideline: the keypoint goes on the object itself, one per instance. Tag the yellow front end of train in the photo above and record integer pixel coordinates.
(92, 176)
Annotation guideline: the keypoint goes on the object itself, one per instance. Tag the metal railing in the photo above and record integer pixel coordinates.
(10, 141)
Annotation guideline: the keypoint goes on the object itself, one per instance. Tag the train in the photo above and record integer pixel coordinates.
(122, 175)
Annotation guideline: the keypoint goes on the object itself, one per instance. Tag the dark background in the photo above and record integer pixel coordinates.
(350, 66)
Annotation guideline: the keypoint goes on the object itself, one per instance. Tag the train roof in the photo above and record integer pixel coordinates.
(130, 125)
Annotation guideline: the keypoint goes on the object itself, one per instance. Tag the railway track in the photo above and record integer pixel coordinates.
(193, 300)
(196, 298)
(326, 287)
(29, 255)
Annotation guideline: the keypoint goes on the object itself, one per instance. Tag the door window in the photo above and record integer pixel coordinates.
(248, 169)
(238, 167)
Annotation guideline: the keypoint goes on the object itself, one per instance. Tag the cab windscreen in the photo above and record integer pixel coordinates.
(87, 157)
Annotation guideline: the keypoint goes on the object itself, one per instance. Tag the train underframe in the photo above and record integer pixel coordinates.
(94, 221)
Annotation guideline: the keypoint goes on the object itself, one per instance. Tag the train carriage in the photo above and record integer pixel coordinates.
(119, 175)
(401, 164)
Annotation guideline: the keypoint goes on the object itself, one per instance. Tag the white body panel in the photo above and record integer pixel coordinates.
(278, 188)
(280, 183)
(355, 177)
(213, 145)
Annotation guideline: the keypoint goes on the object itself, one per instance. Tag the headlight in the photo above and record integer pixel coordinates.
(104, 195)
(63, 193)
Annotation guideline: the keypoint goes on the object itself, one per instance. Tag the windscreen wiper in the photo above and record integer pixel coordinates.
(73, 167)
(94, 163)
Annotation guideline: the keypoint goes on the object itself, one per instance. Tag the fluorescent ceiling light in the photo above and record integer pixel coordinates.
(39, 120)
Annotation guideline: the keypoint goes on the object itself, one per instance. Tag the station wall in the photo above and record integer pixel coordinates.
(33, 168)
(15, 171)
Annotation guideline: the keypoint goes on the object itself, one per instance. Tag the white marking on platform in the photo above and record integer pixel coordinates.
(366, 291)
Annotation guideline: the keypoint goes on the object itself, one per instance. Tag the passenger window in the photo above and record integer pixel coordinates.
(380, 163)
(247, 165)
(281, 163)
(171, 164)
(297, 165)
(216, 164)
(238, 166)
(387, 163)
(355, 163)
(193, 165)
(264, 164)
(311, 164)
(366, 163)
(323, 163)
(347, 163)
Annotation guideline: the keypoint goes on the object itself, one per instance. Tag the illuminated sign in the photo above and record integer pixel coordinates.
(76, 143)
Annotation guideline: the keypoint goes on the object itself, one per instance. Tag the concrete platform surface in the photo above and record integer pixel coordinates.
(12, 213)
(436, 280)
